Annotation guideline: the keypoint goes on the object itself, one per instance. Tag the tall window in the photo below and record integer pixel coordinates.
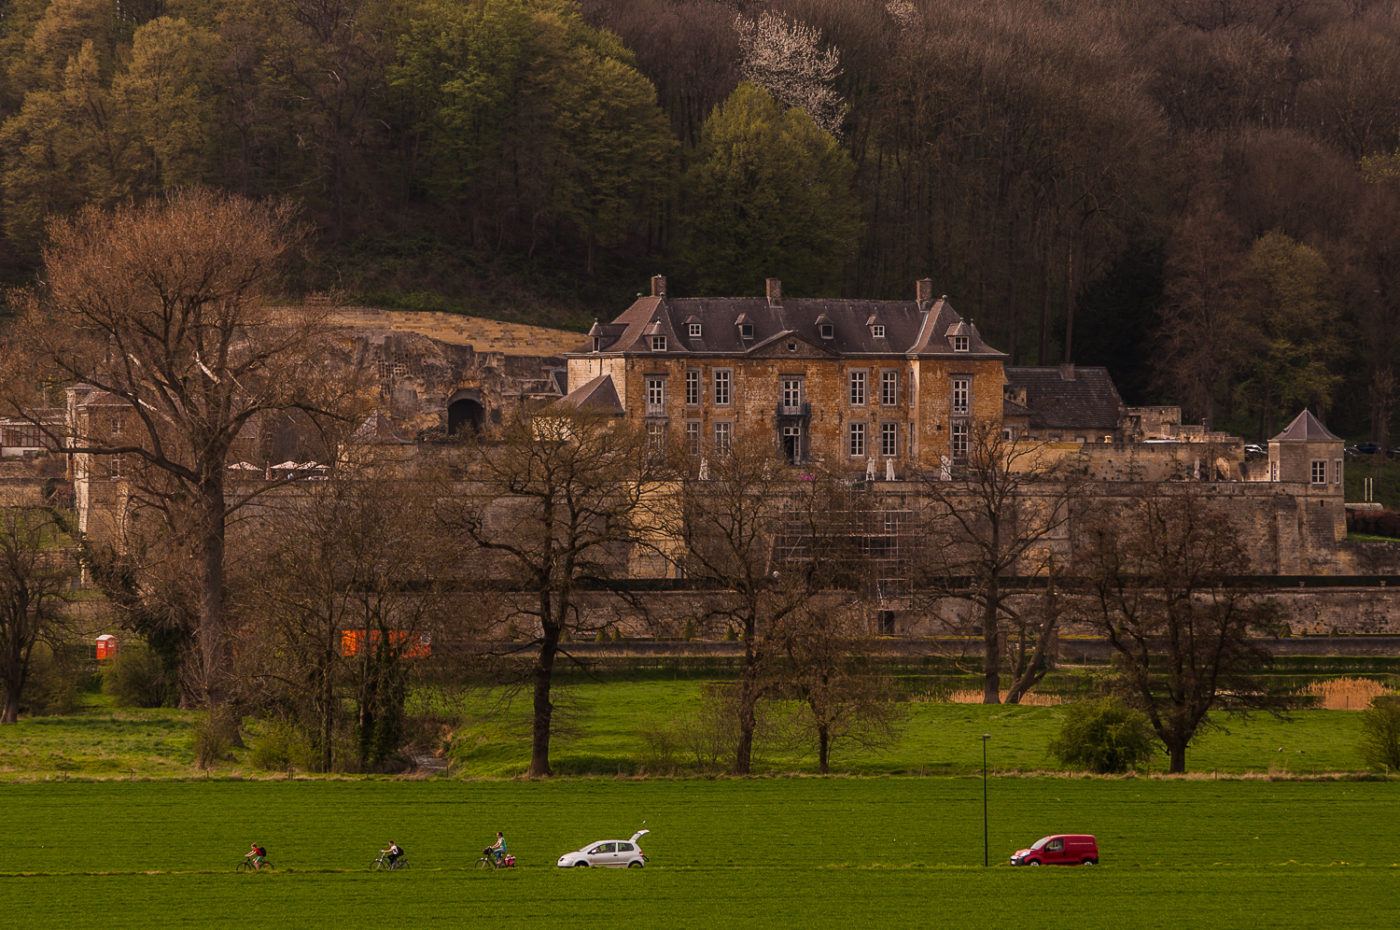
(889, 439)
(692, 387)
(792, 443)
(857, 439)
(962, 393)
(858, 388)
(724, 437)
(792, 395)
(692, 437)
(959, 440)
(889, 388)
(656, 436)
(656, 395)
(1319, 471)
(724, 379)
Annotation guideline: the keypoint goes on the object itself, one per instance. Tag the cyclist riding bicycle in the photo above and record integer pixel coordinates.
(497, 850)
(392, 854)
(256, 855)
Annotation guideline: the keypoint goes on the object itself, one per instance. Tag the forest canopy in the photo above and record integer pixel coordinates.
(1198, 194)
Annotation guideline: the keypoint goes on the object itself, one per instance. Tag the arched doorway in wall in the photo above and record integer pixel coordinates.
(465, 415)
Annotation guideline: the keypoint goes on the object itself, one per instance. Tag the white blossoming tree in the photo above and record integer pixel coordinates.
(788, 59)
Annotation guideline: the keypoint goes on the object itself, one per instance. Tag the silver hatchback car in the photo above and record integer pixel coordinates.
(617, 854)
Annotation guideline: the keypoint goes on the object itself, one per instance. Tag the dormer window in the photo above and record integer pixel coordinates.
(745, 330)
(597, 343)
(828, 331)
(658, 343)
(694, 330)
(961, 343)
(878, 330)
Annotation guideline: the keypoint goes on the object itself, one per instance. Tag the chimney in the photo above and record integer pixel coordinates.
(658, 285)
(775, 291)
(923, 292)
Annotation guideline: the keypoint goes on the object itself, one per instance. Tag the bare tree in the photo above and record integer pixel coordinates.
(1200, 339)
(778, 549)
(162, 311)
(34, 572)
(344, 593)
(554, 505)
(843, 699)
(1160, 574)
(1000, 515)
(1371, 266)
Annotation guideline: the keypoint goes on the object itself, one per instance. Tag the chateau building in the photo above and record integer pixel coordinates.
(860, 382)
(886, 389)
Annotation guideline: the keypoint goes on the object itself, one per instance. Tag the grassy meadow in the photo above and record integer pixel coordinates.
(111, 824)
(603, 730)
(762, 852)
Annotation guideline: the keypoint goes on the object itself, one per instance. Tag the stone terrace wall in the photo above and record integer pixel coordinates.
(666, 615)
(1287, 528)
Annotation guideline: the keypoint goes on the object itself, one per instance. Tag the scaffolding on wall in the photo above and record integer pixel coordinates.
(871, 535)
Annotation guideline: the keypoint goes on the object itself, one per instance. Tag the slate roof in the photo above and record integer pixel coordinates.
(909, 327)
(1067, 397)
(598, 395)
(89, 396)
(1305, 428)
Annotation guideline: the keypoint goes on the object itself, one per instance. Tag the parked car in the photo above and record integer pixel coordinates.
(1253, 448)
(618, 854)
(1365, 448)
(1059, 849)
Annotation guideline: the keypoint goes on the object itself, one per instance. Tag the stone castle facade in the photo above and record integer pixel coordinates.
(898, 383)
(891, 390)
(885, 391)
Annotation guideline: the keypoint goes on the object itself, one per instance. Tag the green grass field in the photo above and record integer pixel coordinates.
(601, 726)
(768, 852)
(110, 825)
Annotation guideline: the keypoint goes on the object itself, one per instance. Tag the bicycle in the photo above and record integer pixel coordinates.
(488, 860)
(383, 864)
(247, 865)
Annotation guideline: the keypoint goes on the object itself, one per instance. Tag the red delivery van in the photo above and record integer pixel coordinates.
(1059, 849)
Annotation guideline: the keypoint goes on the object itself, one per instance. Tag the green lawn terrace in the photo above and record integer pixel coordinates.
(621, 728)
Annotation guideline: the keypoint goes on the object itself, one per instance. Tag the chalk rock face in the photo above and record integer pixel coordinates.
(429, 386)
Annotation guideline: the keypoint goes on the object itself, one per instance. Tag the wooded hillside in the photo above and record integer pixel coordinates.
(1199, 194)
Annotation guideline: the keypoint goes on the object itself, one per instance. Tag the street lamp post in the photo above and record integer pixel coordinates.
(985, 846)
